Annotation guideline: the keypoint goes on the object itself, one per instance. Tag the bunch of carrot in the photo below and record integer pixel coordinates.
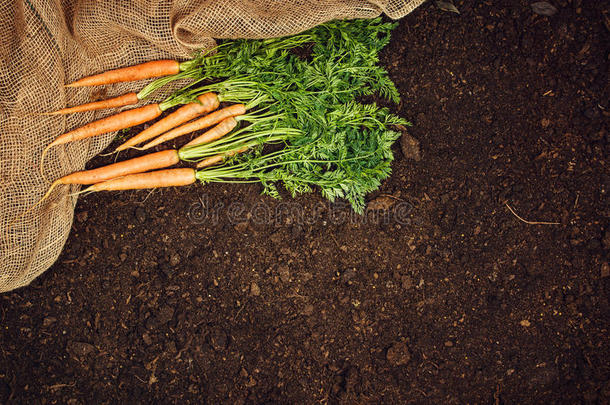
(198, 111)
(308, 106)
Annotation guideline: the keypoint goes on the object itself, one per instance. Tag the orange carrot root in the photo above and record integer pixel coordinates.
(207, 102)
(212, 160)
(224, 127)
(140, 164)
(153, 161)
(202, 123)
(115, 122)
(127, 74)
(120, 101)
(156, 179)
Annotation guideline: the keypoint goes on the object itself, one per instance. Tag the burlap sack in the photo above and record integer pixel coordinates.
(47, 43)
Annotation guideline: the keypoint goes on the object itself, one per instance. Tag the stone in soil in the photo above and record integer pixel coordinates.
(381, 203)
(410, 147)
(255, 289)
(218, 339)
(174, 260)
(79, 349)
(141, 214)
(308, 310)
(284, 274)
(398, 354)
(605, 270)
(165, 315)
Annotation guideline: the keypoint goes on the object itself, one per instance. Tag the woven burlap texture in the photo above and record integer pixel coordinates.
(46, 44)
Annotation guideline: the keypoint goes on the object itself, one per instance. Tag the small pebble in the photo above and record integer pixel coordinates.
(141, 214)
(308, 310)
(174, 260)
(544, 8)
(284, 274)
(410, 147)
(218, 339)
(381, 203)
(398, 354)
(605, 270)
(348, 275)
(48, 321)
(241, 227)
(255, 289)
(82, 216)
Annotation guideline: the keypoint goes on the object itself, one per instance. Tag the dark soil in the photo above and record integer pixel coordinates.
(438, 295)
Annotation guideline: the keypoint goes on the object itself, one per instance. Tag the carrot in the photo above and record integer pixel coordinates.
(224, 127)
(212, 160)
(202, 123)
(140, 164)
(120, 101)
(127, 74)
(115, 122)
(159, 178)
(207, 102)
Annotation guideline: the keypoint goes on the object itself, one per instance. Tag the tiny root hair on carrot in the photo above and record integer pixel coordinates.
(43, 198)
(44, 154)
